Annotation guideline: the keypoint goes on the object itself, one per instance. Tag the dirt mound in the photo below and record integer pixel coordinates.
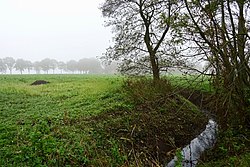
(39, 82)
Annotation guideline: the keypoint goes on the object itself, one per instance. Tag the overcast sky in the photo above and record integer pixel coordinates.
(59, 29)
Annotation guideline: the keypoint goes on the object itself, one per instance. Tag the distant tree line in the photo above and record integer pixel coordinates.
(47, 65)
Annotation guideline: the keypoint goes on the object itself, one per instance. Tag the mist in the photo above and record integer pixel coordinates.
(58, 29)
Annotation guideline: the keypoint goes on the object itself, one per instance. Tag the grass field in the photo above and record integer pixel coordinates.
(82, 120)
(45, 124)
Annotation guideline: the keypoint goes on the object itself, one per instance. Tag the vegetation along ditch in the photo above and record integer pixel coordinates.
(93, 120)
(84, 120)
(169, 61)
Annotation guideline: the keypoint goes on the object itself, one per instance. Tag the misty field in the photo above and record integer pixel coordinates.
(45, 124)
(93, 120)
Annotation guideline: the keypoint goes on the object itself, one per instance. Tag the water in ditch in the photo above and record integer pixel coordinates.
(192, 152)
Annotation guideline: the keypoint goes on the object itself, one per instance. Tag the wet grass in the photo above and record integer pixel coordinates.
(41, 125)
(81, 120)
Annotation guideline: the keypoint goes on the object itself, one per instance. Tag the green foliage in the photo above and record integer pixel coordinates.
(79, 120)
(232, 149)
(150, 55)
(233, 141)
(157, 122)
(191, 82)
(179, 158)
(164, 20)
(47, 125)
(212, 7)
(144, 89)
(117, 157)
(233, 161)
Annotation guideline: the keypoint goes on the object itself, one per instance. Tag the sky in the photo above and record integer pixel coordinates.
(56, 29)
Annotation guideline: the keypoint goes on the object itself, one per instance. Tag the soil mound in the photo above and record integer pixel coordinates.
(39, 82)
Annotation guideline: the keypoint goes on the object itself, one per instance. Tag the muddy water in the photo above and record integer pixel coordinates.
(192, 152)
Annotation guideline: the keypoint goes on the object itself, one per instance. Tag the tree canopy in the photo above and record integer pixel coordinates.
(152, 35)
(141, 29)
(220, 30)
(9, 62)
(82, 66)
(21, 65)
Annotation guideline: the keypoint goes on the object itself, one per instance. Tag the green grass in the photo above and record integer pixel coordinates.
(82, 120)
(46, 125)
(233, 161)
(197, 82)
(232, 147)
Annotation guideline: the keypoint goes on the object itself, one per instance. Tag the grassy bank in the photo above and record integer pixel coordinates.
(233, 142)
(80, 120)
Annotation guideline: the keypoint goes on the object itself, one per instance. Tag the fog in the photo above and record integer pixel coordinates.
(57, 29)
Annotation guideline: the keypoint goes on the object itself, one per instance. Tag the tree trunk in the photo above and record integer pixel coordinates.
(155, 68)
(152, 56)
(243, 66)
